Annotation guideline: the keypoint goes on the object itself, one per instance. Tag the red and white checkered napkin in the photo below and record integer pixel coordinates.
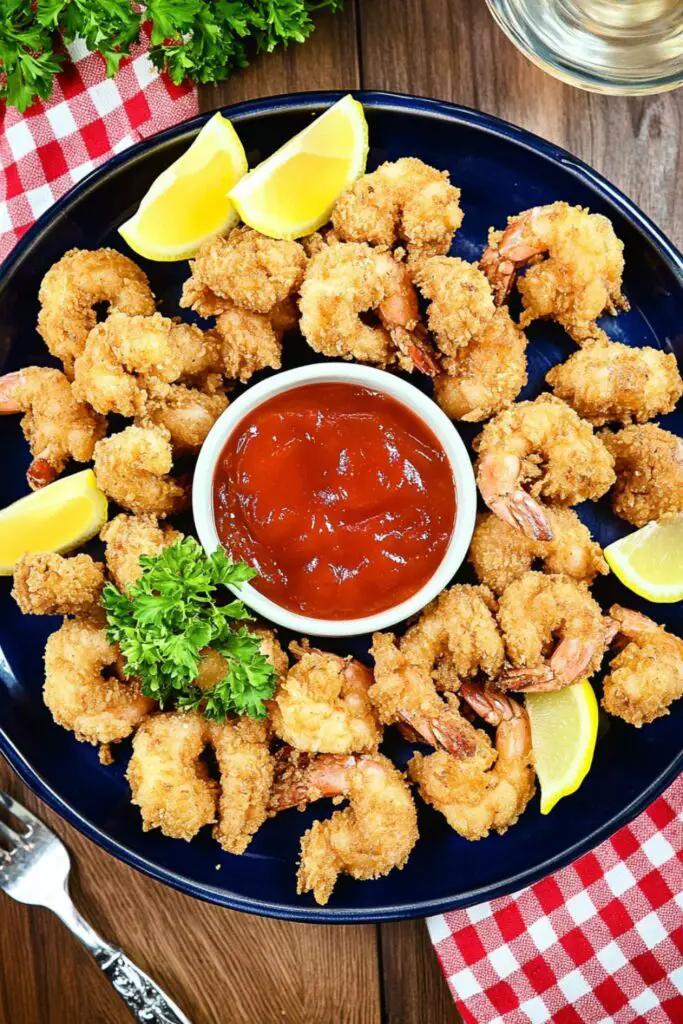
(600, 942)
(50, 147)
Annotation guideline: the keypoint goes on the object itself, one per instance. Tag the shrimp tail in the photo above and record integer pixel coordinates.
(40, 473)
(568, 663)
(520, 511)
(490, 705)
(8, 403)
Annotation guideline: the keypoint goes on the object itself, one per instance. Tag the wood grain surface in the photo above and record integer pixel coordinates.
(229, 968)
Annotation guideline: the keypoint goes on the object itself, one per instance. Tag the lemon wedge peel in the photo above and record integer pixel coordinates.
(564, 729)
(60, 517)
(292, 192)
(650, 561)
(188, 202)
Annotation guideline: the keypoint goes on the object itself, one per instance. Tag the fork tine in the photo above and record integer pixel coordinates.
(19, 811)
(9, 835)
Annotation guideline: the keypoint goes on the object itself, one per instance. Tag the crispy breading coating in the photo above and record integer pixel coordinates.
(406, 202)
(607, 382)
(81, 689)
(649, 467)
(501, 554)
(127, 538)
(133, 469)
(73, 287)
(48, 584)
(246, 769)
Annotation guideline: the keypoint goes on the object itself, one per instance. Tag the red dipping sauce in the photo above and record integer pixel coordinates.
(341, 498)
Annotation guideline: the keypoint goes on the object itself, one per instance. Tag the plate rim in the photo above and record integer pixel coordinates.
(313, 101)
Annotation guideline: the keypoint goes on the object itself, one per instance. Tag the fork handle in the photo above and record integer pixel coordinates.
(148, 1003)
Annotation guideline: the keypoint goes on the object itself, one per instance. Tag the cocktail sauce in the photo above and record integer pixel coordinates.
(341, 498)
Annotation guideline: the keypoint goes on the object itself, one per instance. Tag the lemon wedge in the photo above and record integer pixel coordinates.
(564, 727)
(60, 517)
(292, 193)
(650, 561)
(189, 202)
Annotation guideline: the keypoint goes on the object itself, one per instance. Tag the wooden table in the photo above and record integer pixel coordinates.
(229, 968)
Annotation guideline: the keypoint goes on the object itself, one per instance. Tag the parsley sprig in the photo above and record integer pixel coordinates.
(205, 40)
(171, 614)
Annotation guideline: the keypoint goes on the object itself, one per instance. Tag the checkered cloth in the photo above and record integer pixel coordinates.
(600, 941)
(45, 151)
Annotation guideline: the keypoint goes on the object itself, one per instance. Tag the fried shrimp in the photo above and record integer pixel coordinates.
(554, 632)
(251, 270)
(81, 688)
(580, 276)
(545, 445)
(168, 781)
(124, 353)
(456, 637)
(366, 840)
(405, 202)
(248, 342)
(607, 382)
(188, 413)
(486, 376)
(72, 288)
(133, 469)
(48, 584)
(474, 797)
(57, 426)
(246, 767)
(460, 300)
(323, 706)
(649, 465)
(501, 554)
(405, 695)
(127, 538)
(647, 675)
(343, 282)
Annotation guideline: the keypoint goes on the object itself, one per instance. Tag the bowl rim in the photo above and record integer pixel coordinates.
(434, 110)
(375, 380)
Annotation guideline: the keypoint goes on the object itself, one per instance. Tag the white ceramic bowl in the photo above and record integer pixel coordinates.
(376, 380)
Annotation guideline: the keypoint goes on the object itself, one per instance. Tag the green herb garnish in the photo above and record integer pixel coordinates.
(205, 40)
(170, 615)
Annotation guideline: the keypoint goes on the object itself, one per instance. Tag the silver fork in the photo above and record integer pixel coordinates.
(34, 869)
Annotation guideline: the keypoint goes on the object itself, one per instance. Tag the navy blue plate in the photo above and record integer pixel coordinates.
(501, 170)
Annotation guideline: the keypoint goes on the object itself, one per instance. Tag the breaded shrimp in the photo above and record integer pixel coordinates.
(251, 270)
(580, 276)
(404, 202)
(501, 554)
(188, 413)
(647, 675)
(545, 444)
(474, 797)
(122, 354)
(48, 584)
(57, 426)
(373, 835)
(607, 382)
(127, 538)
(323, 706)
(98, 708)
(405, 695)
(456, 637)
(168, 781)
(346, 280)
(246, 769)
(133, 469)
(554, 632)
(486, 376)
(72, 288)
(247, 342)
(460, 300)
(649, 467)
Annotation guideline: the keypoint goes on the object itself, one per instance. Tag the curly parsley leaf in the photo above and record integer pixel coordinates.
(170, 616)
(205, 40)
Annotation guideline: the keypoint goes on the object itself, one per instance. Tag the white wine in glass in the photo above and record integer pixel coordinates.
(617, 46)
